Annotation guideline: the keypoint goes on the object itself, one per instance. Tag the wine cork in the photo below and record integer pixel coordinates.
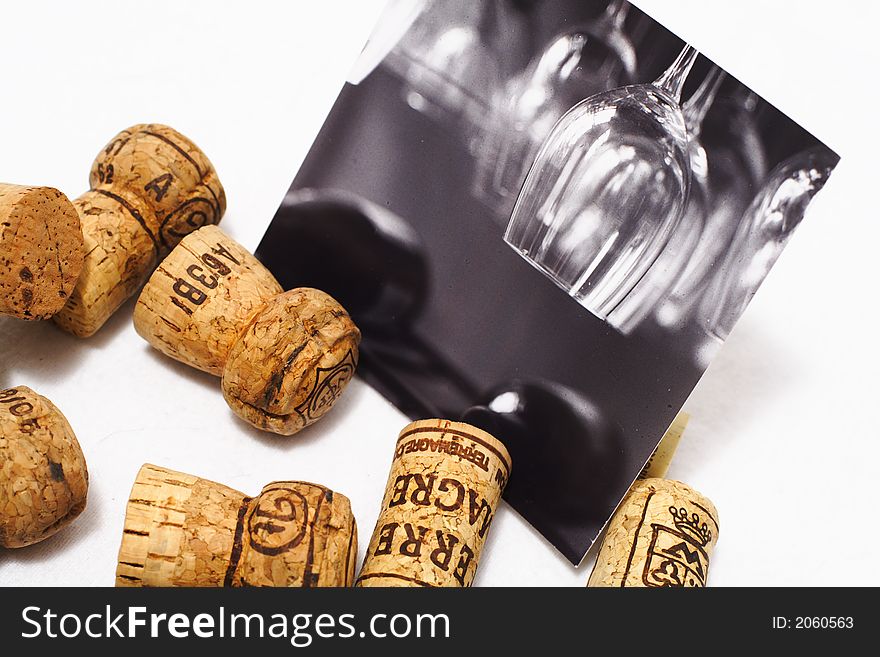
(661, 458)
(43, 475)
(150, 187)
(284, 357)
(292, 362)
(41, 251)
(181, 530)
(199, 298)
(662, 534)
(443, 491)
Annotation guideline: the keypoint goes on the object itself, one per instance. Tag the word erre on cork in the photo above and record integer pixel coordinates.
(284, 357)
(662, 535)
(41, 251)
(43, 476)
(78, 262)
(442, 493)
(181, 530)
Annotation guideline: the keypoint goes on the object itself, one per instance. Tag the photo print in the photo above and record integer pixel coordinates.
(545, 216)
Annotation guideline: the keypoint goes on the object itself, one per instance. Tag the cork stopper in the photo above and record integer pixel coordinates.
(292, 362)
(150, 187)
(43, 475)
(662, 534)
(200, 297)
(284, 357)
(181, 530)
(41, 251)
(661, 458)
(443, 491)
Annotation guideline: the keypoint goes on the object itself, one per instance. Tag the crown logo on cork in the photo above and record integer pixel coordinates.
(691, 527)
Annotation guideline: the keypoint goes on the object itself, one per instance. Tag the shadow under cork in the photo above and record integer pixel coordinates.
(182, 370)
(41, 349)
(328, 424)
(79, 530)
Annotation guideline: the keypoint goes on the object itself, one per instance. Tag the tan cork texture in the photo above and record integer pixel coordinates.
(41, 251)
(443, 491)
(181, 530)
(200, 298)
(662, 534)
(43, 477)
(292, 362)
(284, 357)
(660, 460)
(150, 187)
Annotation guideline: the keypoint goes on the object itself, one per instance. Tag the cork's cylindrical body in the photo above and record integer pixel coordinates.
(284, 357)
(181, 530)
(291, 363)
(443, 491)
(150, 187)
(201, 297)
(41, 251)
(43, 476)
(662, 534)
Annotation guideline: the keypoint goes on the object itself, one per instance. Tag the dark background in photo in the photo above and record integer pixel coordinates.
(387, 214)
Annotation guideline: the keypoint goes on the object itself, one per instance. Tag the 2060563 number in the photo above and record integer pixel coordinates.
(823, 622)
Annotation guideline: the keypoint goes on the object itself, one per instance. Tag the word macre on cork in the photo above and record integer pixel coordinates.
(662, 535)
(41, 251)
(181, 530)
(443, 491)
(43, 476)
(284, 357)
(149, 187)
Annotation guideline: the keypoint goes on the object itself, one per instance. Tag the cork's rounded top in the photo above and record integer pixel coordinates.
(41, 251)
(291, 363)
(161, 177)
(438, 425)
(675, 489)
(183, 145)
(297, 534)
(43, 475)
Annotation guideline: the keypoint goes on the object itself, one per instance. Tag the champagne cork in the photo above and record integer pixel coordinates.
(662, 534)
(41, 251)
(284, 357)
(150, 187)
(661, 458)
(181, 530)
(43, 475)
(443, 491)
(200, 297)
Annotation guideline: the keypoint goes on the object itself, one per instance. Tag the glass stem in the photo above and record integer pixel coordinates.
(698, 105)
(672, 79)
(616, 12)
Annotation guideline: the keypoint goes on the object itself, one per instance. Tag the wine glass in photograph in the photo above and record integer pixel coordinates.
(607, 190)
(765, 228)
(736, 166)
(684, 246)
(579, 62)
(451, 59)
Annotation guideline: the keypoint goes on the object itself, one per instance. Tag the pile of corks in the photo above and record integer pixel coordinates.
(148, 223)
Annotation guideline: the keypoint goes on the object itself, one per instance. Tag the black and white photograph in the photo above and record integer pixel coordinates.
(303, 303)
(567, 209)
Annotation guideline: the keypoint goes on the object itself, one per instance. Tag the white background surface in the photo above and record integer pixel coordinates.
(784, 435)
